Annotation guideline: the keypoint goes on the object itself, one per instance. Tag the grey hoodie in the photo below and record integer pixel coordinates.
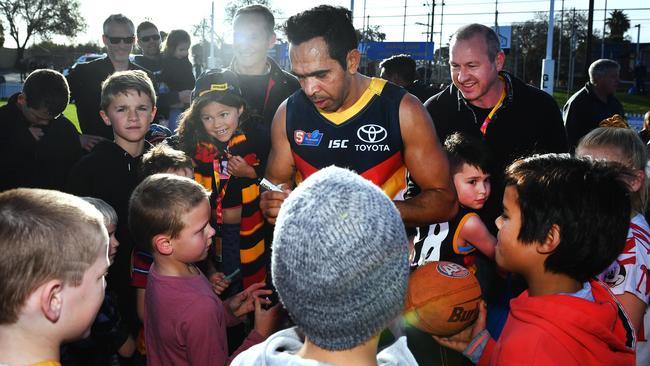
(281, 349)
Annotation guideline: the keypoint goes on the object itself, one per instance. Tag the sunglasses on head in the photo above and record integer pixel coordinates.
(155, 37)
(116, 40)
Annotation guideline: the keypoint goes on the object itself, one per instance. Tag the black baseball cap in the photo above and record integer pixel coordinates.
(216, 81)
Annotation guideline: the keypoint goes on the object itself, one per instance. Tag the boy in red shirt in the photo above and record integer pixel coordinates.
(184, 320)
(564, 220)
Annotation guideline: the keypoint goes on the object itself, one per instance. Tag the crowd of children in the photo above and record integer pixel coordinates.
(194, 254)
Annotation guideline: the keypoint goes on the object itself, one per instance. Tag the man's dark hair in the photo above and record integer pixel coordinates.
(145, 25)
(588, 200)
(463, 149)
(47, 89)
(261, 10)
(122, 82)
(401, 65)
(334, 24)
(491, 39)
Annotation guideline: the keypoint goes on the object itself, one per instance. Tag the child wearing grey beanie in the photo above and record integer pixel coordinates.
(340, 266)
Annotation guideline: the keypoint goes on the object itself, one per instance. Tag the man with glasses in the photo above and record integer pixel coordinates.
(149, 41)
(86, 79)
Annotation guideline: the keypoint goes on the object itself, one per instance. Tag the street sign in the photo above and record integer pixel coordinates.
(505, 35)
(382, 50)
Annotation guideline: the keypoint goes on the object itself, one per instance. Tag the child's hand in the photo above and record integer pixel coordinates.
(238, 167)
(460, 341)
(127, 349)
(88, 142)
(266, 320)
(244, 302)
(37, 132)
(219, 282)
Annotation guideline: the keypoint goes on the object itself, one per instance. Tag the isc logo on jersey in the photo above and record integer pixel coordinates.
(372, 135)
(338, 144)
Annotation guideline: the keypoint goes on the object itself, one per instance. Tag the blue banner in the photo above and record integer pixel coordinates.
(382, 50)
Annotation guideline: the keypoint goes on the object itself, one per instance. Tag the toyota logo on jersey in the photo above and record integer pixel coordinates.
(372, 133)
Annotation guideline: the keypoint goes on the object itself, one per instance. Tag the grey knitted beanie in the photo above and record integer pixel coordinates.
(340, 258)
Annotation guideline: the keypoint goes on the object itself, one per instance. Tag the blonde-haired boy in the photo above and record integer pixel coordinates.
(54, 256)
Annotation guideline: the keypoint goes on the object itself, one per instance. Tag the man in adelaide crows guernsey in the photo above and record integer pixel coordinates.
(341, 117)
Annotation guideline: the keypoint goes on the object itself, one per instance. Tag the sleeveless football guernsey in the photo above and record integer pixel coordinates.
(365, 138)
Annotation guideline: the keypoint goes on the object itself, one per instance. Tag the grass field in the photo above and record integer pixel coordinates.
(637, 104)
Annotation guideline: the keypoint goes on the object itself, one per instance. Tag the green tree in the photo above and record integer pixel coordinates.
(43, 18)
(2, 35)
(233, 5)
(529, 44)
(575, 23)
(371, 34)
(618, 23)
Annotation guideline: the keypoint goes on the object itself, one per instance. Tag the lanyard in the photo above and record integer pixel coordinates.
(268, 93)
(488, 119)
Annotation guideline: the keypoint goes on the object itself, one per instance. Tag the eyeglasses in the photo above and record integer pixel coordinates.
(116, 40)
(155, 37)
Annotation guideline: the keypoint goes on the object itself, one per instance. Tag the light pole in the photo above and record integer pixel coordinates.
(638, 34)
(426, 44)
(442, 12)
(212, 60)
(429, 68)
(602, 45)
(547, 79)
(404, 28)
(559, 46)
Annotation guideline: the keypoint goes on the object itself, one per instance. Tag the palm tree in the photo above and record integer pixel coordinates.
(618, 23)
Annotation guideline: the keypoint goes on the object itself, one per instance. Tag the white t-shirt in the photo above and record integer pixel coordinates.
(629, 273)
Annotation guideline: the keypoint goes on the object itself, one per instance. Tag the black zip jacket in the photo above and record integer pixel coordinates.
(25, 162)
(528, 122)
(110, 173)
(584, 111)
(282, 85)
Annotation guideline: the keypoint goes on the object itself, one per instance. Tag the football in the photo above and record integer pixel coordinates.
(442, 298)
